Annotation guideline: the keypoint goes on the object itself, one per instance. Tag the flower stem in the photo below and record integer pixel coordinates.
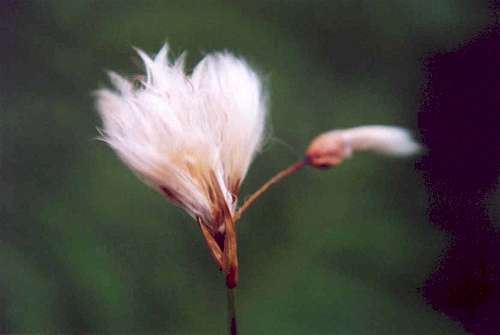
(273, 180)
(231, 312)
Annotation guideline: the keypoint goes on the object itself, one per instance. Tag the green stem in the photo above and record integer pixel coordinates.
(231, 312)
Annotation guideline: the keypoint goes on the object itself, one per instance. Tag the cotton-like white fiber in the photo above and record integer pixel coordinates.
(191, 137)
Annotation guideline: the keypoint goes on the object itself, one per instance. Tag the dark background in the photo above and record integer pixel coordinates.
(377, 246)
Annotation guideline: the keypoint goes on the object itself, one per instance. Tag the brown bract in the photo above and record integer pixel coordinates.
(223, 248)
(220, 234)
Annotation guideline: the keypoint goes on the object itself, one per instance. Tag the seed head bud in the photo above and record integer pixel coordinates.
(331, 148)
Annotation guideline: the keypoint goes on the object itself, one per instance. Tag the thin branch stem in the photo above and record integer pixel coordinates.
(231, 312)
(273, 180)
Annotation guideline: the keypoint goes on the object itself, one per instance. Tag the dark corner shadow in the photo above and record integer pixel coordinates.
(459, 122)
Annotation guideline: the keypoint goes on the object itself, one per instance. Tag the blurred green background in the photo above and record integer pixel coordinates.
(86, 247)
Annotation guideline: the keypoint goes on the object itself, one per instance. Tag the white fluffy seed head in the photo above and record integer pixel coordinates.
(332, 147)
(190, 137)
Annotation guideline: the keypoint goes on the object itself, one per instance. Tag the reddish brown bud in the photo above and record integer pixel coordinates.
(328, 149)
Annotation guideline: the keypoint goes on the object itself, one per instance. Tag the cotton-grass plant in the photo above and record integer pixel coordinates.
(192, 138)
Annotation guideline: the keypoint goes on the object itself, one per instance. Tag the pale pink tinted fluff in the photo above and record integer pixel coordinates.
(333, 147)
(192, 137)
